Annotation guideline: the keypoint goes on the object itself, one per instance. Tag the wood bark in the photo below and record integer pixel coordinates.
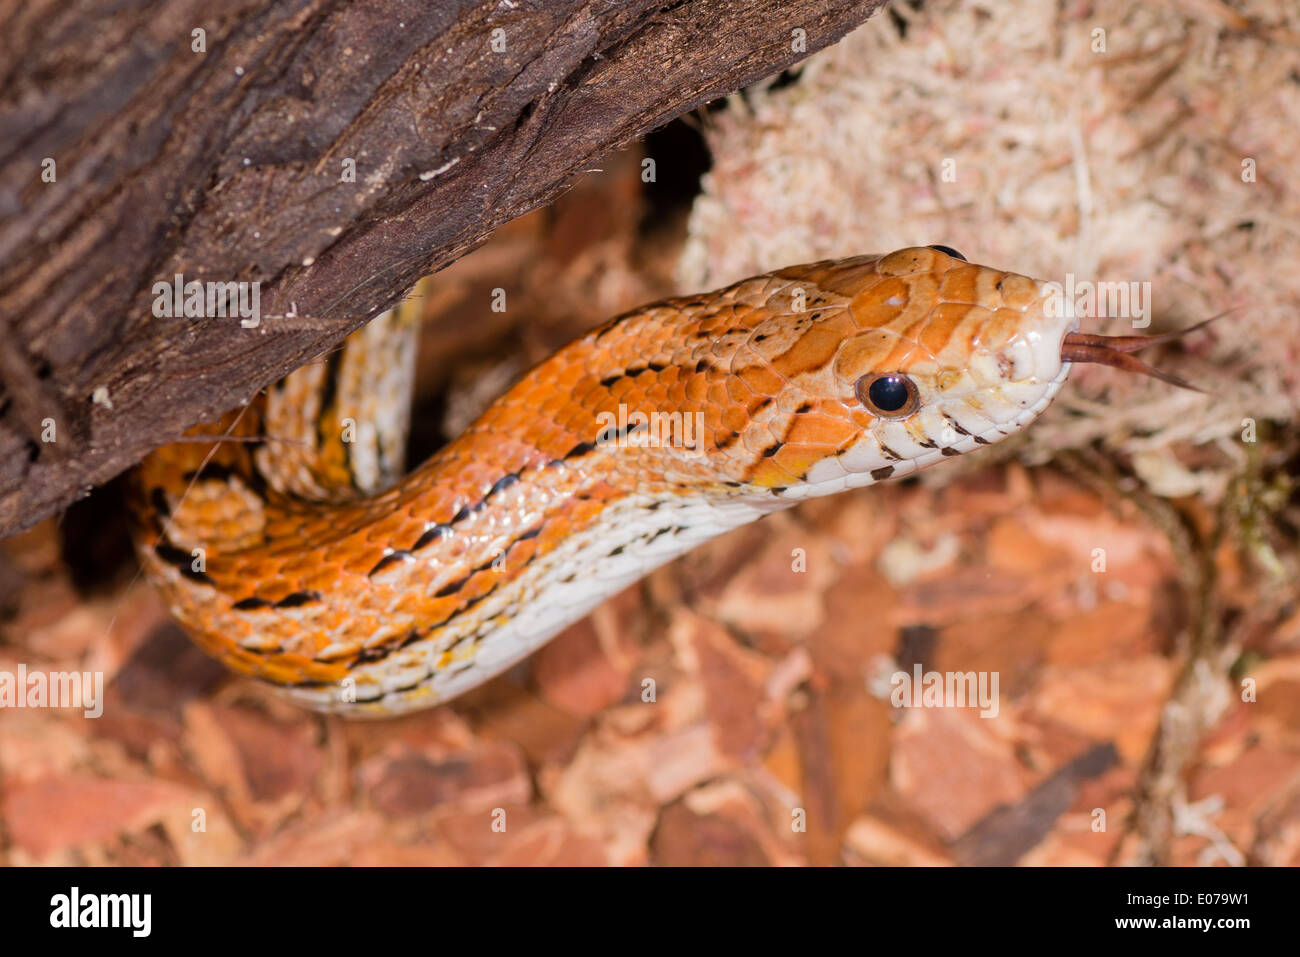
(134, 148)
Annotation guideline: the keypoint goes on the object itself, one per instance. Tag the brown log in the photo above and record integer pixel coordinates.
(227, 164)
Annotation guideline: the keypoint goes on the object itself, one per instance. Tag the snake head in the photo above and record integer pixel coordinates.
(903, 360)
(952, 356)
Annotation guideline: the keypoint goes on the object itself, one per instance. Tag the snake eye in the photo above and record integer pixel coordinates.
(950, 251)
(889, 395)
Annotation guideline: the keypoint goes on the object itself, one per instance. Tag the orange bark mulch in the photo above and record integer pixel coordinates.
(770, 739)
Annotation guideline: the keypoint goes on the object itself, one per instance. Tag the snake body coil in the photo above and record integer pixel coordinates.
(300, 562)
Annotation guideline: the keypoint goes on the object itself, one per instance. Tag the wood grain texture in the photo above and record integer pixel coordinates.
(225, 165)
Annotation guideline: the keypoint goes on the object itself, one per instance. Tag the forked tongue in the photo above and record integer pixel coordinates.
(1114, 351)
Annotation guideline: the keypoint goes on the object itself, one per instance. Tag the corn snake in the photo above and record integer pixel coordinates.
(311, 565)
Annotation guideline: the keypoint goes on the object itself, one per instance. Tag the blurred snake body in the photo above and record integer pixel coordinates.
(310, 562)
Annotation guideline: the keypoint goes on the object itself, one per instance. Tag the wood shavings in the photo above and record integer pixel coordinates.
(1111, 141)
